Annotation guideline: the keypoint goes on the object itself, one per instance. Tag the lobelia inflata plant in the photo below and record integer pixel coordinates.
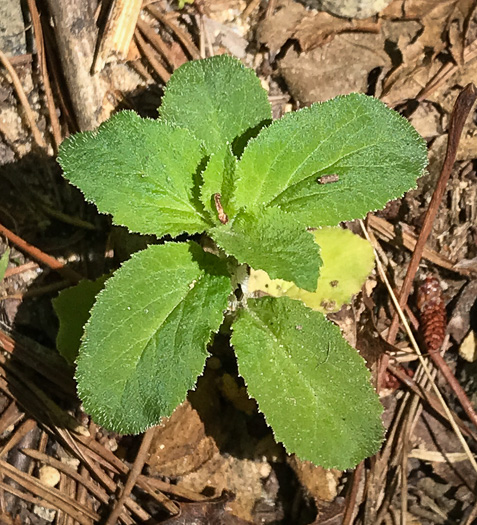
(268, 196)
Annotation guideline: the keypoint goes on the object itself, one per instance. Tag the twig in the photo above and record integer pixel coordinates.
(20, 269)
(75, 33)
(182, 35)
(44, 258)
(454, 384)
(252, 5)
(145, 49)
(270, 8)
(429, 398)
(462, 107)
(446, 71)
(55, 371)
(10, 416)
(353, 494)
(421, 358)
(18, 435)
(93, 488)
(133, 475)
(23, 100)
(40, 45)
(109, 460)
(387, 232)
(53, 496)
(118, 32)
(156, 41)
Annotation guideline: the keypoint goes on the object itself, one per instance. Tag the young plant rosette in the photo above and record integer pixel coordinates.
(267, 194)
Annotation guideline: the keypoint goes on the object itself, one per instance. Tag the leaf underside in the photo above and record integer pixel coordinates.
(145, 343)
(313, 388)
(141, 171)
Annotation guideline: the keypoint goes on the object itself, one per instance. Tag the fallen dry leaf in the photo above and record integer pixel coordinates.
(342, 66)
(310, 28)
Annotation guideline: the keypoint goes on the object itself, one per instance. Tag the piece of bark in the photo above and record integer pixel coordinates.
(76, 34)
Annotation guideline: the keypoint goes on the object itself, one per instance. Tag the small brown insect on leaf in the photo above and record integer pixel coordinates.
(432, 310)
(220, 211)
(327, 179)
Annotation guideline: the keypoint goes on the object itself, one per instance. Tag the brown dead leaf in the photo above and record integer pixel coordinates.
(458, 28)
(405, 82)
(180, 444)
(440, 22)
(210, 512)
(321, 483)
(342, 66)
(419, 9)
(427, 120)
(319, 28)
(310, 28)
(275, 30)
(394, 10)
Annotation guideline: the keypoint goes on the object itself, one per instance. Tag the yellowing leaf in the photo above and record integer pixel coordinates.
(347, 261)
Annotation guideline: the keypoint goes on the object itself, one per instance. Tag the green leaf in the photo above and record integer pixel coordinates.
(273, 241)
(376, 154)
(347, 261)
(313, 388)
(72, 307)
(144, 172)
(218, 177)
(145, 343)
(217, 99)
(4, 263)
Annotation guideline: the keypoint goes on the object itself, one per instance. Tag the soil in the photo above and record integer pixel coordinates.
(215, 460)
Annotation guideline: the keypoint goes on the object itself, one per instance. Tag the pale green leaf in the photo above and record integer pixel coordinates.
(313, 388)
(72, 307)
(273, 241)
(347, 261)
(144, 172)
(218, 178)
(218, 100)
(4, 263)
(376, 154)
(145, 343)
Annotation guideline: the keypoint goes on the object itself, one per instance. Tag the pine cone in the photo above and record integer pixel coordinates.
(432, 310)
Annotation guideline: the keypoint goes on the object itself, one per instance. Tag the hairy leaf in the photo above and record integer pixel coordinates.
(218, 177)
(270, 240)
(347, 261)
(72, 307)
(313, 388)
(219, 100)
(145, 343)
(144, 172)
(372, 153)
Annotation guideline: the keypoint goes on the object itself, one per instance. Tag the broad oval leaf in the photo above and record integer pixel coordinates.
(145, 343)
(218, 100)
(372, 153)
(142, 171)
(313, 388)
(347, 261)
(274, 241)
